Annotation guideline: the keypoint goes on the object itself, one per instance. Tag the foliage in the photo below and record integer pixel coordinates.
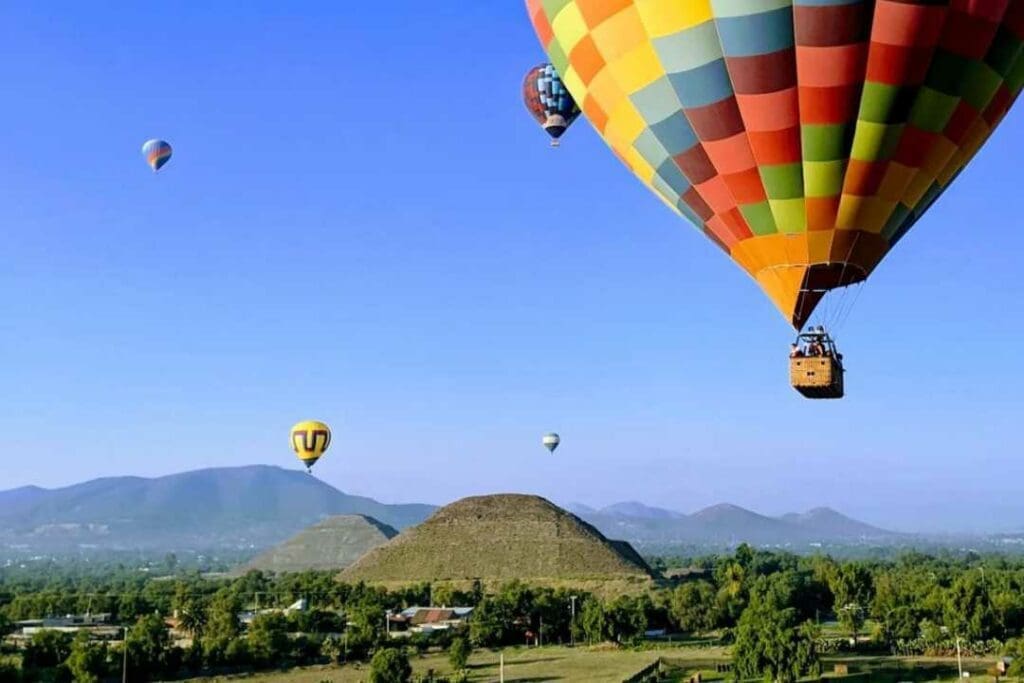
(148, 644)
(47, 649)
(770, 640)
(458, 653)
(693, 607)
(268, 639)
(390, 665)
(87, 662)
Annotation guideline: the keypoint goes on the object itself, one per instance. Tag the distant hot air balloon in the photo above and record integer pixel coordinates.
(551, 441)
(157, 153)
(803, 137)
(310, 440)
(548, 101)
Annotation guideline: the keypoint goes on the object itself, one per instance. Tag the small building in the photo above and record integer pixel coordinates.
(246, 617)
(1003, 665)
(430, 619)
(98, 626)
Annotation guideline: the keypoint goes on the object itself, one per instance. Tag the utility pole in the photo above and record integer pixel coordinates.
(959, 662)
(501, 667)
(387, 623)
(540, 632)
(124, 661)
(572, 627)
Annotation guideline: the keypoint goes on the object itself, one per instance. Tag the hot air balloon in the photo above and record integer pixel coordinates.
(157, 153)
(548, 101)
(803, 137)
(551, 441)
(310, 439)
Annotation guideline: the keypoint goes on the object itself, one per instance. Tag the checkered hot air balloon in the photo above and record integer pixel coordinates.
(804, 137)
(548, 101)
(157, 153)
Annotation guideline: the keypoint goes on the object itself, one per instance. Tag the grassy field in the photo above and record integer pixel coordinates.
(607, 665)
(522, 665)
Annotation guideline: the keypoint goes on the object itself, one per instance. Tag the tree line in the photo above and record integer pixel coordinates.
(769, 606)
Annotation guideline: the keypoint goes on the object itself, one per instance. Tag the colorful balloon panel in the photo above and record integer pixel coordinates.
(548, 100)
(804, 137)
(157, 153)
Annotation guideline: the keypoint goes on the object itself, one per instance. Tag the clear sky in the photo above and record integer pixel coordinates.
(361, 224)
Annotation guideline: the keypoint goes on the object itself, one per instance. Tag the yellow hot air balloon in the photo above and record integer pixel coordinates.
(310, 440)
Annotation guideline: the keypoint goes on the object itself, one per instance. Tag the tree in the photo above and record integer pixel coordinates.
(492, 622)
(333, 648)
(594, 621)
(9, 672)
(968, 612)
(770, 641)
(852, 587)
(87, 662)
(390, 665)
(458, 653)
(221, 627)
(268, 639)
(148, 644)
(692, 607)
(190, 609)
(626, 619)
(47, 649)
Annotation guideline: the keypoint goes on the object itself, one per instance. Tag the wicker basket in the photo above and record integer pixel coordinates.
(817, 377)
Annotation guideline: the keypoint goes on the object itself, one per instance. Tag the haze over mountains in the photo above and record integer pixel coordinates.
(259, 506)
(655, 529)
(239, 507)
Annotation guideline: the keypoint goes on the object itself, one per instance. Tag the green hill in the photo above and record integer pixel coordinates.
(334, 543)
(499, 538)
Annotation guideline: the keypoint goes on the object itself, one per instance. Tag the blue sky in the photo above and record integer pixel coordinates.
(361, 224)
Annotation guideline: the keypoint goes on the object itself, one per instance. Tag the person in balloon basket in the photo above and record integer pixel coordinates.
(795, 351)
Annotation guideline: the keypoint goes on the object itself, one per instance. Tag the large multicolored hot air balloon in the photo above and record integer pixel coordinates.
(804, 137)
(548, 101)
(157, 153)
(310, 439)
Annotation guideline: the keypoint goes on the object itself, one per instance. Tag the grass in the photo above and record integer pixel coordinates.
(604, 664)
(522, 665)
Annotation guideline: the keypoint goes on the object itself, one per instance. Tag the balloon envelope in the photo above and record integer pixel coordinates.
(548, 100)
(157, 153)
(803, 137)
(551, 441)
(310, 439)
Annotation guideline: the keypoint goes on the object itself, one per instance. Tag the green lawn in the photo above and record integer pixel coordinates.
(599, 665)
(608, 665)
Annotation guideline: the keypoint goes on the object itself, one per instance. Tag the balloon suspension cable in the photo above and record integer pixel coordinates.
(839, 313)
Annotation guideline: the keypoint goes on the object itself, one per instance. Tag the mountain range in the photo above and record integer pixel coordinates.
(259, 506)
(239, 507)
(654, 529)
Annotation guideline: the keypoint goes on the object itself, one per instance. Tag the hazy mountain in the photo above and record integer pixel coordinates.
(828, 522)
(258, 507)
(660, 530)
(254, 506)
(639, 511)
